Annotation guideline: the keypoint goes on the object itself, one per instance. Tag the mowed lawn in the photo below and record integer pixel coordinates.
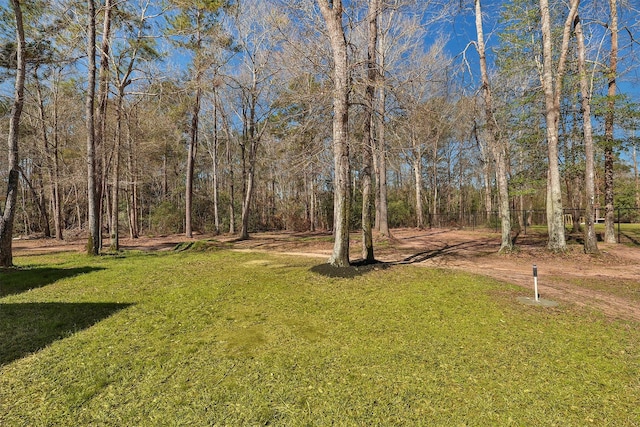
(227, 338)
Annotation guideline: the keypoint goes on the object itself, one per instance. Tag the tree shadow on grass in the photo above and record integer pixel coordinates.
(446, 250)
(29, 327)
(15, 281)
(357, 268)
(631, 238)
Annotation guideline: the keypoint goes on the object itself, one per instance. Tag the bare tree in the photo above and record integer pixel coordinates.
(387, 42)
(55, 201)
(104, 78)
(368, 140)
(53, 157)
(495, 140)
(93, 243)
(612, 72)
(6, 220)
(424, 101)
(485, 159)
(213, 148)
(139, 44)
(417, 152)
(551, 78)
(258, 42)
(590, 238)
(400, 31)
(332, 12)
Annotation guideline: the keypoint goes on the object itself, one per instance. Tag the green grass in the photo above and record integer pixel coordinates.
(226, 338)
(629, 233)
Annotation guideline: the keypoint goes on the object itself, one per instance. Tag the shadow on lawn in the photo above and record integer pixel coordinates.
(29, 327)
(358, 268)
(631, 238)
(15, 281)
(447, 250)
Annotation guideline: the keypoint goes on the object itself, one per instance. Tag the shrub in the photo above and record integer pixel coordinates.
(166, 218)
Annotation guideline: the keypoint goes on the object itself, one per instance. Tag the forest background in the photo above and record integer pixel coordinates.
(214, 117)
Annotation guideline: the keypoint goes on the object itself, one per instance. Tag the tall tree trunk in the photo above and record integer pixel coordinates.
(165, 174)
(249, 176)
(434, 172)
(8, 215)
(367, 193)
(590, 238)
(612, 72)
(382, 210)
(488, 199)
(191, 158)
(246, 202)
(368, 139)
(193, 133)
(636, 177)
(552, 88)
(486, 175)
(332, 13)
(312, 203)
(522, 214)
(417, 171)
(56, 195)
(232, 210)
(249, 168)
(214, 161)
(93, 244)
(497, 145)
(115, 177)
(39, 200)
(123, 81)
(462, 208)
(101, 118)
(79, 220)
(47, 152)
(26, 224)
(133, 188)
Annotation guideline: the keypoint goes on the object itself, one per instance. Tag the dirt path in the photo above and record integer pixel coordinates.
(561, 277)
(609, 283)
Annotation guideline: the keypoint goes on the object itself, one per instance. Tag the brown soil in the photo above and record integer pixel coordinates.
(609, 282)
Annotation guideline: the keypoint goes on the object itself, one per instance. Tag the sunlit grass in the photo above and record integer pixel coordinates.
(226, 338)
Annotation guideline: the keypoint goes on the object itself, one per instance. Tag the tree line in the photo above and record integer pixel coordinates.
(234, 116)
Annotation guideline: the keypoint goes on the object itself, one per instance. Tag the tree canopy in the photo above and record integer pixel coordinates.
(219, 115)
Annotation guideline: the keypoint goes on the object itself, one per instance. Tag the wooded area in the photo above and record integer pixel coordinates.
(222, 116)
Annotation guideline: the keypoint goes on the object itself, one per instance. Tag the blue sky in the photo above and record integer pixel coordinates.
(460, 30)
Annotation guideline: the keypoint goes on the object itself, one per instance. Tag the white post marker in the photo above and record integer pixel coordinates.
(535, 282)
(537, 301)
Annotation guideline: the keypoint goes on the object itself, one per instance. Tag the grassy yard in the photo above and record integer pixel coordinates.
(629, 233)
(227, 338)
